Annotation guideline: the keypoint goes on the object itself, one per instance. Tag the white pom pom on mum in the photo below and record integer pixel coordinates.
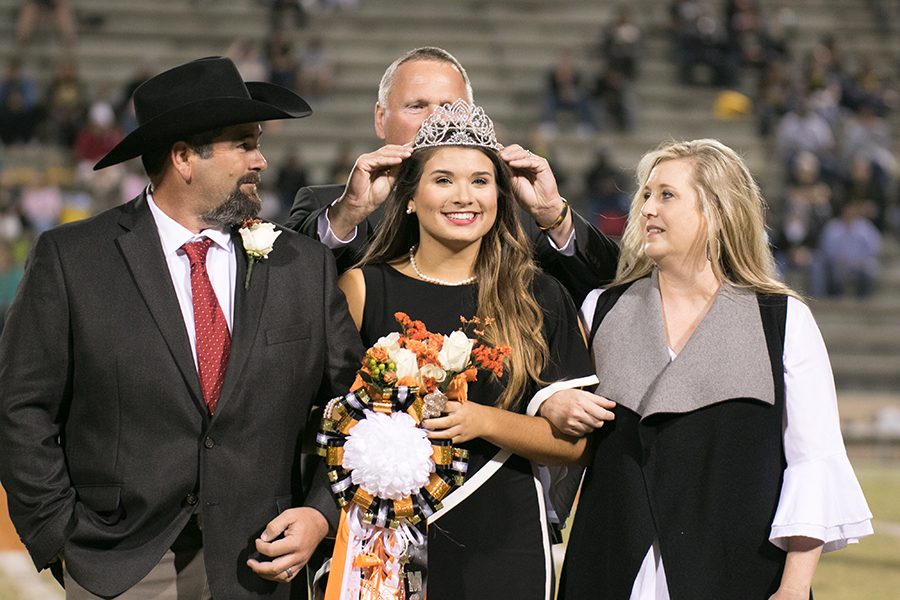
(388, 455)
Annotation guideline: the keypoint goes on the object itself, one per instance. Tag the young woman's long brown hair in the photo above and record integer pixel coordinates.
(505, 269)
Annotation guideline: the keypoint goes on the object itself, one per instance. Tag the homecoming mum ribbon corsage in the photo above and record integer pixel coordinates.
(384, 471)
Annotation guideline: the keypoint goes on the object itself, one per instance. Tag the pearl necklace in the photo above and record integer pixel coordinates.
(424, 277)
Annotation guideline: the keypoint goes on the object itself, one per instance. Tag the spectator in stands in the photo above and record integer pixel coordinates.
(780, 29)
(245, 54)
(867, 87)
(41, 203)
(868, 135)
(315, 69)
(284, 68)
(804, 130)
(98, 136)
(340, 167)
(19, 108)
(699, 39)
(292, 175)
(279, 8)
(566, 90)
(745, 37)
(621, 43)
(606, 191)
(615, 100)
(828, 53)
(862, 186)
(847, 256)
(32, 10)
(775, 94)
(65, 105)
(125, 107)
(805, 210)
(11, 272)
(12, 223)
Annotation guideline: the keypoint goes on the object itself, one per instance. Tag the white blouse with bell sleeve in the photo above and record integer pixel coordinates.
(820, 495)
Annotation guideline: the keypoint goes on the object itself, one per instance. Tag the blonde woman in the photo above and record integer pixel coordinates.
(724, 474)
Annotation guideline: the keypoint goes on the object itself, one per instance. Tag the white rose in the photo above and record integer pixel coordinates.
(433, 371)
(258, 239)
(405, 361)
(454, 354)
(389, 342)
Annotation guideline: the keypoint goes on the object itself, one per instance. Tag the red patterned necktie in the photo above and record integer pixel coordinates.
(213, 339)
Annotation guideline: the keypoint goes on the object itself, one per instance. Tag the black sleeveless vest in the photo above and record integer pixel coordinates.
(705, 484)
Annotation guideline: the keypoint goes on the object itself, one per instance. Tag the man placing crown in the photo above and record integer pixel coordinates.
(158, 368)
(345, 218)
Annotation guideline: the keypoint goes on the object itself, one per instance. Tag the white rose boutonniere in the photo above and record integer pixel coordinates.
(258, 238)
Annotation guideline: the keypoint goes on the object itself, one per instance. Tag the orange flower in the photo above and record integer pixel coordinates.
(426, 346)
(378, 353)
(459, 388)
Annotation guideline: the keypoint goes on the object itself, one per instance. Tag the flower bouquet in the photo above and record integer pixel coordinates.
(383, 469)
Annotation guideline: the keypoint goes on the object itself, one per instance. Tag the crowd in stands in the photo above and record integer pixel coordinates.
(827, 116)
(603, 98)
(824, 113)
(62, 125)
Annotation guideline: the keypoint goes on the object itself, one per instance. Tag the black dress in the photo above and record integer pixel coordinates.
(494, 544)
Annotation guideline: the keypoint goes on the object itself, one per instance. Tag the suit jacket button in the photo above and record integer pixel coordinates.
(191, 499)
(209, 442)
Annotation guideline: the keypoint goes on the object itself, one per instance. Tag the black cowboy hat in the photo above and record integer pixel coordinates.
(198, 96)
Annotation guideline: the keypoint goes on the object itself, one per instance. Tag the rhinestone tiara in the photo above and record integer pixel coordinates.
(457, 124)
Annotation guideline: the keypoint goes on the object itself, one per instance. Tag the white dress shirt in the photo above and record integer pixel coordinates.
(221, 266)
(820, 495)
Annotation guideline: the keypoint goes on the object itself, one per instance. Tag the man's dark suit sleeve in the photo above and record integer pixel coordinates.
(310, 203)
(593, 265)
(307, 203)
(345, 351)
(35, 386)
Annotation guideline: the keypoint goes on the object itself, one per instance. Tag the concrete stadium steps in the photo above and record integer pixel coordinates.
(507, 45)
(863, 336)
(863, 343)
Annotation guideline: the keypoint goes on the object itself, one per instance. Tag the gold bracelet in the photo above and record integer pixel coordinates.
(559, 219)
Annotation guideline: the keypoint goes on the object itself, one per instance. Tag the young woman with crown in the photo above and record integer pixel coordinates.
(451, 246)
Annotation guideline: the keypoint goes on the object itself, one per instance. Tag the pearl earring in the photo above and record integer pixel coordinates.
(409, 210)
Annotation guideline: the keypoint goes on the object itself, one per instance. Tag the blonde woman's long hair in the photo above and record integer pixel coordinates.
(505, 269)
(733, 209)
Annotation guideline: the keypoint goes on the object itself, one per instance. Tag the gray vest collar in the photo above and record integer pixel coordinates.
(725, 358)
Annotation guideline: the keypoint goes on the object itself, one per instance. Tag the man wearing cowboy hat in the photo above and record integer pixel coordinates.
(156, 372)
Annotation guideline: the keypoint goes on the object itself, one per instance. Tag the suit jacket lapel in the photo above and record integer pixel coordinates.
(248, 305)
(141, 249)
